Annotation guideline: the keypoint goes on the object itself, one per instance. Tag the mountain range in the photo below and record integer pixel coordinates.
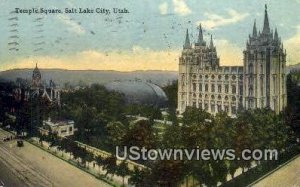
(86, 77)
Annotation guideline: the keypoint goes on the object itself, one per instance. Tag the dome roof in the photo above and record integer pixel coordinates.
(138, 92)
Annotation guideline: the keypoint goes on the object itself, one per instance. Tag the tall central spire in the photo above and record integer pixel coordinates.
(276, 35)
(211, 45)
(266, 28)
(200, 37)
(254, 29)
(187, 44)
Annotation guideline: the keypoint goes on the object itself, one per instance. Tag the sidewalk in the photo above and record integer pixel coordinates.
(92, 167)
(288, 175)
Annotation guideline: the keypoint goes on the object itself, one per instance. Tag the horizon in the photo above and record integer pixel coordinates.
(62, 69)
(124, 71)
(120, 42)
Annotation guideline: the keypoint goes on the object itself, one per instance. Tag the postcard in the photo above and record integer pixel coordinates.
(161, 93)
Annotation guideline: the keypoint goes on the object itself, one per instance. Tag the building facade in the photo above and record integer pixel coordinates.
(60, 128)
(259, 83)
(37, 88)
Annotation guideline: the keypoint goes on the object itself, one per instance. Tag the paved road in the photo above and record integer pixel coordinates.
(287, 176)
(38, 168)
(9, 179)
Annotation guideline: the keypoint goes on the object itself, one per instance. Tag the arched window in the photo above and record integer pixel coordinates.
(200, 87)
(233, 98)
(233, 89)
(219, 88)
(212, 88)
(194, 87)
(250, 68)
(226, 88)
(250, 91)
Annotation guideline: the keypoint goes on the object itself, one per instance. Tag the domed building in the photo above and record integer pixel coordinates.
(139, 92)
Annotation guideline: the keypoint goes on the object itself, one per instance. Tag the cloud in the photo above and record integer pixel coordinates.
(230, 54)
(100, 60)
(72, 25)
(137, 58)
(292, 46)
(215, 20)
(181, 8)
(163, 8)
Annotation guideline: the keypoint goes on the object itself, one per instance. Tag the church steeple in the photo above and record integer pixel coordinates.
(211, 45)
(276, 35)
(187, 44)
(36, 76)
(200, 37)
(266, 28)
(254, 29)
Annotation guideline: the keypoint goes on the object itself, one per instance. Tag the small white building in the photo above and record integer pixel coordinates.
(61, 128)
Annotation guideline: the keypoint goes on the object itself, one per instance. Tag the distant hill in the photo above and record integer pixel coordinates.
(293, 67)
(87, 77)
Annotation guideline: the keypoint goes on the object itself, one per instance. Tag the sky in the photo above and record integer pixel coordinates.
(149, 37)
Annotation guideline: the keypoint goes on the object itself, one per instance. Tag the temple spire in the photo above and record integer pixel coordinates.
(254, 29)
(266, 28)
(187, 44)
(276, 35)
(200, 37)
(211, 45)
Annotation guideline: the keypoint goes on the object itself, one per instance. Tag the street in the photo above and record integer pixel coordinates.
(31, 166)
(9, 178)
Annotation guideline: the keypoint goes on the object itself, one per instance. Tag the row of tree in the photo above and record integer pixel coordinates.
(83, 157)
(257, 129)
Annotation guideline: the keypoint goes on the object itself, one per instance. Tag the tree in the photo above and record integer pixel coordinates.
(172, 137)
(167, 173)
(110, 165)
(243, 137)
(171, 92)
(195, 115)
(140, 134)
(122, 170)
(116, 132)
(100, 161)
(43, 137)
(138, 177)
